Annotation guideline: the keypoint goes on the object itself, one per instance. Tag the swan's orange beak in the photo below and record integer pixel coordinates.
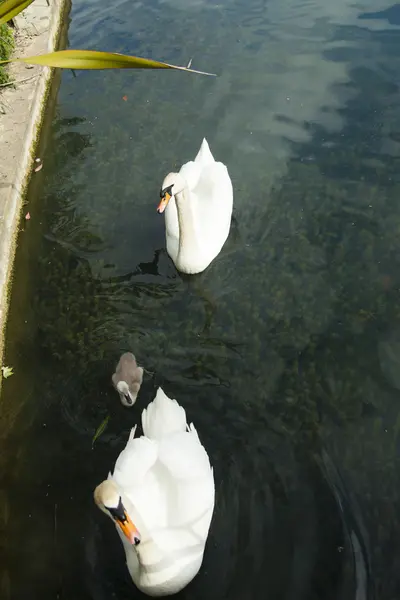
(129, 529)
(163, 203)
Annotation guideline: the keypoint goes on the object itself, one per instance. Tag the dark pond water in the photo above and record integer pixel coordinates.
(285, 352)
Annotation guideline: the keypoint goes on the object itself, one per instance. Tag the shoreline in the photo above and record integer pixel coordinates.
(24, 105)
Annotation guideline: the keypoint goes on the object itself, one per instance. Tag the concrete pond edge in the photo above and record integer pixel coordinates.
(18, 184)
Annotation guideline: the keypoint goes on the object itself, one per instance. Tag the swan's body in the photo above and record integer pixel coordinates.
(198, 205)
(127, 378)
(161, 497)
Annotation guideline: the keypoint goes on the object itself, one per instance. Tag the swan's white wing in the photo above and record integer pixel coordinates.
(214, 203)
(184, 456)
(136, 474)
(134, 462)
(191, 172)
(191, 482)
(214, 186)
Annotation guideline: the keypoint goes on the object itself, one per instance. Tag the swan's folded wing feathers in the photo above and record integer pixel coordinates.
(192, 482)
(191, 172)
(214, 196)
(214, 179)
(134, 462)
(184, 456)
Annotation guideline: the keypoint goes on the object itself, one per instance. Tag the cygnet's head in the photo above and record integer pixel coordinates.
(108, 499)
(172, 184)
(128, 398)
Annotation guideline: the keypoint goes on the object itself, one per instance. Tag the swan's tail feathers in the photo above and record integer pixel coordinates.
(204, 155)
(163, 417)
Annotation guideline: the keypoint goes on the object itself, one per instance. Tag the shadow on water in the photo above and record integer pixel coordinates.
(284, 352)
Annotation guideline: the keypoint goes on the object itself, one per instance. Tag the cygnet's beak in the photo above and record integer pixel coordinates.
(128, 529)
(165, 198)
(128, 400)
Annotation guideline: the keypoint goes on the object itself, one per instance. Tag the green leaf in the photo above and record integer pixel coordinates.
(10, 8)
(92, 59)
(100, 429)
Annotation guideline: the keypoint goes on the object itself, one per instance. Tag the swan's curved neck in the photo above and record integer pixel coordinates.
(189, 243)
(149, 553)
(160, 572)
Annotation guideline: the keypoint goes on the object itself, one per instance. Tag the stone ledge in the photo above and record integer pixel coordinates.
(23, 107)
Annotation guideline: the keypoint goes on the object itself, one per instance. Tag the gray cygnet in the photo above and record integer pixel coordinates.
(127, 379)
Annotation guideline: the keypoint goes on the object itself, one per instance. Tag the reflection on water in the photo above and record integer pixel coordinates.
(283, 352)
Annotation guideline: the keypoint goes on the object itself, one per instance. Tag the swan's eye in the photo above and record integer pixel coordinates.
(119, 512)
(166, 191)
(165, 195)
(124, 522)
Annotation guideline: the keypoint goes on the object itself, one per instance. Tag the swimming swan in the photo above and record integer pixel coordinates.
(198, 205)
(161, 499)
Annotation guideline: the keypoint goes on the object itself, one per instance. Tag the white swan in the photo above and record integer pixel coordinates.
(198, 205)
(161, 499)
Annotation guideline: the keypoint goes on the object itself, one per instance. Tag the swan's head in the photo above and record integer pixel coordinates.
(172, 184)
(128, 398)
(108, 499)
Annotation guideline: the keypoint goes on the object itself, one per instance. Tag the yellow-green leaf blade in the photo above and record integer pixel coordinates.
(11, 8)
(94, 59)
(100, 429)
